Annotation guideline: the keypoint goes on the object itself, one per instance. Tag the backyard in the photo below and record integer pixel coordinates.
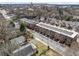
(43, 50)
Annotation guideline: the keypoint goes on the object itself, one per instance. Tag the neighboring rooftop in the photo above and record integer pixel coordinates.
(31, 21)
(63, 31)
(18, 40)
(26, 50)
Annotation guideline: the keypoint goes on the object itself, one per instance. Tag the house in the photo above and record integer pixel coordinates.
(29, 22)
(26, 50)
(59, 34)
(19, 40)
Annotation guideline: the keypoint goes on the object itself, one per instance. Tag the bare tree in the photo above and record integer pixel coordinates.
(63, 24)
(69, 26)
(77, 29)
(5, 34)
(28, 35)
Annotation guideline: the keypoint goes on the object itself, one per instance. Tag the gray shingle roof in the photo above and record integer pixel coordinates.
(24, 51)
(18, 40)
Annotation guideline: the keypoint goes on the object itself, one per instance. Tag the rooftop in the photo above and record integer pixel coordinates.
(59, 30)
(25, 50)
(28, 20)
(18, 40)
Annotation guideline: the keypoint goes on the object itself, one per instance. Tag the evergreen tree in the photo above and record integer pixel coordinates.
(22, 27)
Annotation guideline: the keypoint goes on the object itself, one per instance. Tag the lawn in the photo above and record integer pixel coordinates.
(40, 48)
(51, 52)
(43, 50)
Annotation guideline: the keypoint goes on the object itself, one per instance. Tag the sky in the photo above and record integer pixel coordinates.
(41, 1)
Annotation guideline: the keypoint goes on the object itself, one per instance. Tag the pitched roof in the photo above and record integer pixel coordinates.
(24, 50)
(18, 40)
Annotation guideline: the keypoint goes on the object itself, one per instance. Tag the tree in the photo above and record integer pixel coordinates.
(69, 26)
(16, 18)
(68, 18)
(63, 24)
(6, 46)
(22, 27)
(77, 29)
(60, 13)
(28, 35)
(12, 23)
